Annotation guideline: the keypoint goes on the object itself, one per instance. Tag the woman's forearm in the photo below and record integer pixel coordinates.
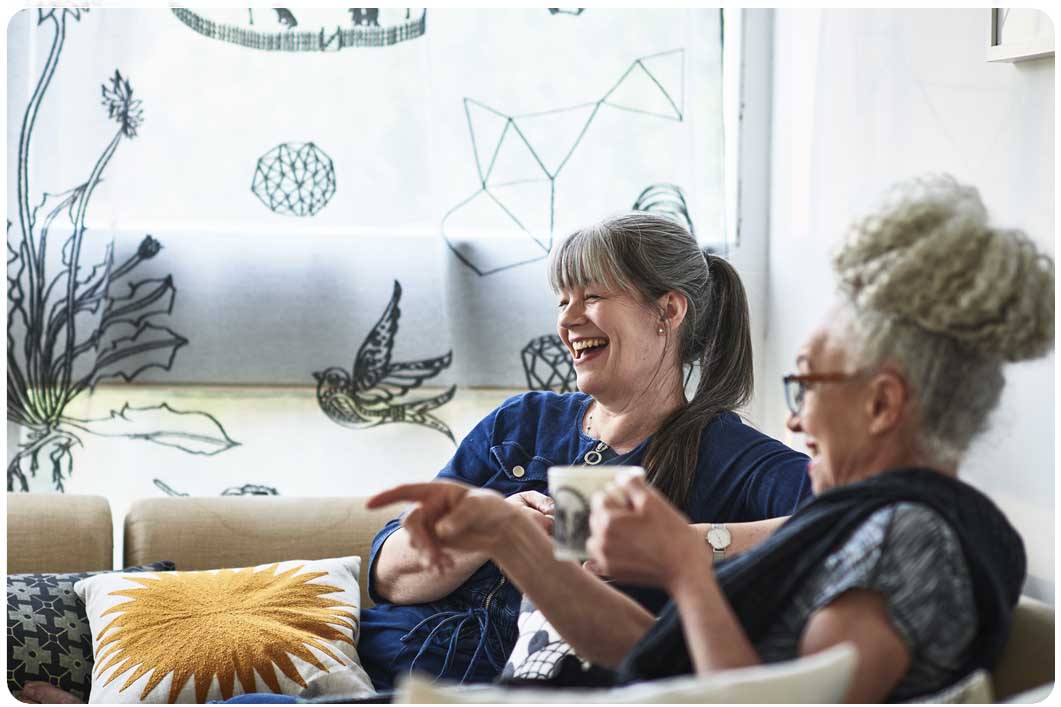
(715, 637)
(400, 578)
(601, 623)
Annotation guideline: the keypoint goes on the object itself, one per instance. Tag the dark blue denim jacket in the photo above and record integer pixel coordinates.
(742, 475)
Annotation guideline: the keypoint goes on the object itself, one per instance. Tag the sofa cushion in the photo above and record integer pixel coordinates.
(60, 532)
(48, 638)
(1032, 696)
(286, 627)
(973, 689)
(1028, 660)
(821, 678)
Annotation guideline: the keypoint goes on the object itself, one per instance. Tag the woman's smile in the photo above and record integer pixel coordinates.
(587, 349)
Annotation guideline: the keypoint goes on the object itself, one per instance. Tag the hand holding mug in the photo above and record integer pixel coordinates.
(638, 537)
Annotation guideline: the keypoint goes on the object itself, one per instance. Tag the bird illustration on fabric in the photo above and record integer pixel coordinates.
(370, 395)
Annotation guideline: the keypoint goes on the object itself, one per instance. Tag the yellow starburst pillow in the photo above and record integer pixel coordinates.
(164, 637)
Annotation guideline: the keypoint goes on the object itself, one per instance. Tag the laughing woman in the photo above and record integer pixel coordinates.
(637, 301)
(894, 554)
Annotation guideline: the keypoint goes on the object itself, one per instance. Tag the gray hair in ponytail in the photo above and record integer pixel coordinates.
(651, 255)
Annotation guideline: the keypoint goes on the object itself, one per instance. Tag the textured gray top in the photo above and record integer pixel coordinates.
(907, 553)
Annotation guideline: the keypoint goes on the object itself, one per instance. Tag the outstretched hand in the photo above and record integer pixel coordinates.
(449, 515)
(638, 537)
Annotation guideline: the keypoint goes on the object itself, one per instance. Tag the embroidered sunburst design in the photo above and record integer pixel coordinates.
(229, 623)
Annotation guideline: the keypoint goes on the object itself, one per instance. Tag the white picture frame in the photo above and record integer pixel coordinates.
(1018, 34)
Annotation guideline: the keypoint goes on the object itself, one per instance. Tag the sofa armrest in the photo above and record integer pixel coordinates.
(58, 532)
(1028, 659)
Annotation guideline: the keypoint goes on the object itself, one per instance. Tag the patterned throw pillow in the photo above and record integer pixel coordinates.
(539, 652)
(47, 631)
(287, 627)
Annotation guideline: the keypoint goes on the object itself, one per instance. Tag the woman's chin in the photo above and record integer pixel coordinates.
(819, 475)
(584, 384)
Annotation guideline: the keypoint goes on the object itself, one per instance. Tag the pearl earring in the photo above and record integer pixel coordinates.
(660, 330)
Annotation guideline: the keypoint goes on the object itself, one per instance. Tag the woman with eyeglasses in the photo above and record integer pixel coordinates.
(894, 554)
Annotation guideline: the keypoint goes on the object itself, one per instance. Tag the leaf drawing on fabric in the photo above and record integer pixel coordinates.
(244, 490)
(71, 325)
(250, 620)
(368, 395)
(192, 432)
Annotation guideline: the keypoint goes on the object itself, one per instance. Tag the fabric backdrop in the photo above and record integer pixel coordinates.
(354, 202)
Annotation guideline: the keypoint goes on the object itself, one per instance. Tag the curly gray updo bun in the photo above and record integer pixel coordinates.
(948, 296)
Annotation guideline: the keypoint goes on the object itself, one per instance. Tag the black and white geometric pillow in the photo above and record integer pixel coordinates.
(48, 638)
(539, 651)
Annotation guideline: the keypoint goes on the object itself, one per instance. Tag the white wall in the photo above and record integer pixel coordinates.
(863, 99)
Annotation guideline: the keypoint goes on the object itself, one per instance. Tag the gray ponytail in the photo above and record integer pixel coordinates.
(721, 342)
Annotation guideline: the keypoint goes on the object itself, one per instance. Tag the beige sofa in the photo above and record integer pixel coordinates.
(70, 533)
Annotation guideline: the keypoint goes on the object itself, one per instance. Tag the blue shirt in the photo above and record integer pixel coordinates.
(741, 475)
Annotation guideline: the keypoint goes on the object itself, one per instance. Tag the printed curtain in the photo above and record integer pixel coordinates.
(285, 251)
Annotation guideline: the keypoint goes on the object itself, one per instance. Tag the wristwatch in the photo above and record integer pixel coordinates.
(719, 538)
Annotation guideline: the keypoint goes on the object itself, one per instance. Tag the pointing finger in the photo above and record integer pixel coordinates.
(404, 492)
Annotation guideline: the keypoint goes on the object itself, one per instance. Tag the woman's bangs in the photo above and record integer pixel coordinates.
(584, 259)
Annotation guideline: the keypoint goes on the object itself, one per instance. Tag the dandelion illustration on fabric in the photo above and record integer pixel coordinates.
(371, 394)
(517, 177)
(71, 326)
(249, 621)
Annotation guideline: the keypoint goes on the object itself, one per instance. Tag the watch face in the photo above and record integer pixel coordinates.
(719, 538)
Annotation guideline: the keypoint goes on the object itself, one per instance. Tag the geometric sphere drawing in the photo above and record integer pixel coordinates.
(547, 365)
(294, 178)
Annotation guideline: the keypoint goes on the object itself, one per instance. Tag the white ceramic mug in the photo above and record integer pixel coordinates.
(572, 489)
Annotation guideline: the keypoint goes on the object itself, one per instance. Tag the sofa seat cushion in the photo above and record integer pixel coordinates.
(48, 638)
(285, 628)
(973, 689)
(819, 678)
